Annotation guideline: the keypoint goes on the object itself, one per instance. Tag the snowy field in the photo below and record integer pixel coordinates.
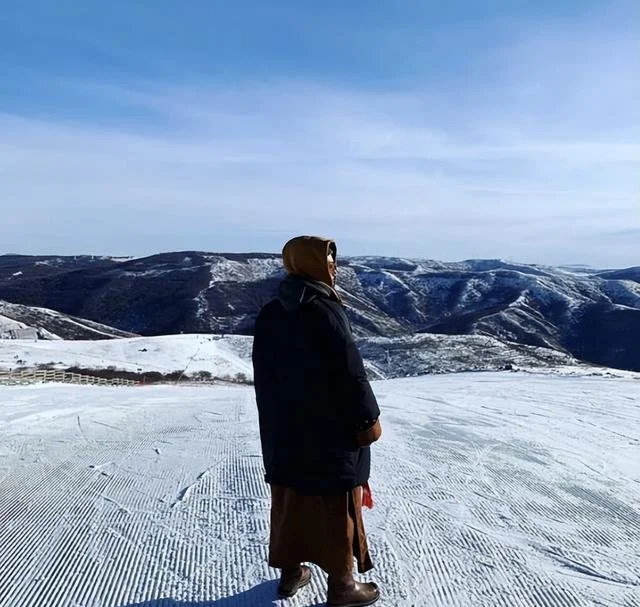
(491, 490)
(189, 353)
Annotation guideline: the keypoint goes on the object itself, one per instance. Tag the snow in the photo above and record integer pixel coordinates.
(156, 272)
(228, 356)
(248, 270)
(38, 318)
(625, 292)
(8, 324)
(222, 270)
(189, 353)
(490, 489)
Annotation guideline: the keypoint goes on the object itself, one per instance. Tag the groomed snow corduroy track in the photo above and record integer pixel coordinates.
(491, 489)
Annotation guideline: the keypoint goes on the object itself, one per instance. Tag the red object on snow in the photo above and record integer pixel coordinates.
(367, 499)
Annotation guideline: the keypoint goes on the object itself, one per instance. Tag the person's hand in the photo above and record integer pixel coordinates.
(370, 435)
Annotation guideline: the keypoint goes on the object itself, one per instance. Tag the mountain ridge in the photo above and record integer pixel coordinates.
(43, 323)
(591, 314)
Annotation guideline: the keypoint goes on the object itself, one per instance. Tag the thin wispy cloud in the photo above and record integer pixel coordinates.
(536, 159)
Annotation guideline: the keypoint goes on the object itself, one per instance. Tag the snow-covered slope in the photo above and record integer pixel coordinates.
(49, 324)
(230, 356)
(222, 357)
(9, 324)
(490, 490)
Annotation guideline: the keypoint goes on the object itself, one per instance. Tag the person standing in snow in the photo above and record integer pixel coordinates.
(318, 415)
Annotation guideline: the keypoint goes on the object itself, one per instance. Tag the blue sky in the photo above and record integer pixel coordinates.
(446, 130)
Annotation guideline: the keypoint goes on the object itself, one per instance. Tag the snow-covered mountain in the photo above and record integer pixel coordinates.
(592, 315)
(17, 320)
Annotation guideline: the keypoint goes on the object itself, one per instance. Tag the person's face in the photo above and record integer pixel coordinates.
(333, 270)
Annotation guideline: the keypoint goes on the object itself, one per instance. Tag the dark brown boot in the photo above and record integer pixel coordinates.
(292, 580)
(344, 591)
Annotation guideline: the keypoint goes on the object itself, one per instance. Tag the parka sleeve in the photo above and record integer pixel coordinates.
(347, 366)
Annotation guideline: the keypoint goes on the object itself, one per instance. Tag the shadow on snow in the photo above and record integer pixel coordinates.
(263, 595)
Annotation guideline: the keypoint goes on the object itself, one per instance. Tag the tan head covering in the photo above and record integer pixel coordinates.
(307, 256)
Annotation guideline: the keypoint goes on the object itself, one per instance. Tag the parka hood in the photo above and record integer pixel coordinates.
(306, 256)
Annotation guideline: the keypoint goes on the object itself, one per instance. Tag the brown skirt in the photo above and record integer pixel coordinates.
(325, 530)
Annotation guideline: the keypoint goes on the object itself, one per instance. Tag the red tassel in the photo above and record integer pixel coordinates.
(367, 498)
